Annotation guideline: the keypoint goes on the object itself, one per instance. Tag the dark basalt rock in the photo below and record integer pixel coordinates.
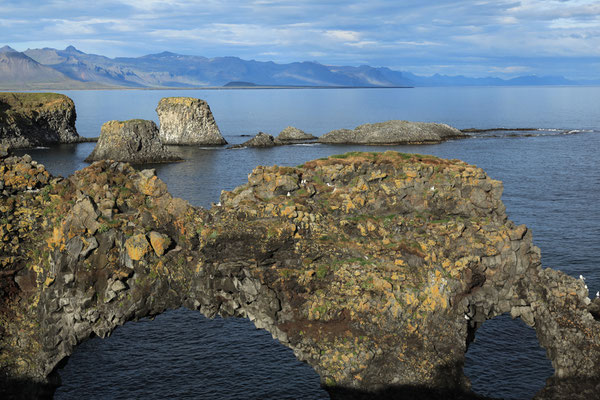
(36, 119)
(393, 132)
(135, 141)
(374, 268)
(261, 140)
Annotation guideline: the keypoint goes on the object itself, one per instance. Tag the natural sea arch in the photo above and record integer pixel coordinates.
(371, 267)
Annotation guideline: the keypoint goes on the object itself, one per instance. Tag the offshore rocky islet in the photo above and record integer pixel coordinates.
(374, 268)
(36, 119)
(136, 141)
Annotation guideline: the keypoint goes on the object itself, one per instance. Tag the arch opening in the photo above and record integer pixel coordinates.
(506, 361)
(182, 354)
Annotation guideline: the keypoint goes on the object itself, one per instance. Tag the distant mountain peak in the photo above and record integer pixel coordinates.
(7, 49)
(72, 49)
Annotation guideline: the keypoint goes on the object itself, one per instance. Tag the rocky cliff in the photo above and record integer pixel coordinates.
(36, 119)
(393, 132)
(375, 268)
(136, 141)
(187, 121)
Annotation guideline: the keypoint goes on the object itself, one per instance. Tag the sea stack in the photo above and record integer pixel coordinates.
(135, 141)
(393, 132)
(36, 119)
(187, 121)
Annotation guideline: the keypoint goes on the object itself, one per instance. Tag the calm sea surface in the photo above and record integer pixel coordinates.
(551, 181)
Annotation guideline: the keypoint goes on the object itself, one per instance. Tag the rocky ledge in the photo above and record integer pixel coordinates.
(292, 135)
(135, 141)
(393, 132)
(36, 119)
(375, 268)
(187, 121)
(261, 140)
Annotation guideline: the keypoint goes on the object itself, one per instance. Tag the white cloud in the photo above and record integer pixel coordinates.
(344, 36)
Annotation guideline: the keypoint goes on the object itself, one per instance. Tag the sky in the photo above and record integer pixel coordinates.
(452, 37)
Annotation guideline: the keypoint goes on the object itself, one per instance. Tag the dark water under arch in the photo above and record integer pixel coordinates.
(506, 360)
(182, 354)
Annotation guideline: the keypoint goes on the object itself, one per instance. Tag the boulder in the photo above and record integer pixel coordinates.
(135, 141)
(291, 135)
(36, 119)
(393, 132)
(261, 140)
(187, 121)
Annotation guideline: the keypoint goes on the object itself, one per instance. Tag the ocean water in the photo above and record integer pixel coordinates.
(551, 183)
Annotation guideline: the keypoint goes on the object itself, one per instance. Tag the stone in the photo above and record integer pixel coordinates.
(160, 243)
(135, 141)
(261, 140)
(291, 135)
(393, 132)
(36, 119)
(187, 121)
(137, 246)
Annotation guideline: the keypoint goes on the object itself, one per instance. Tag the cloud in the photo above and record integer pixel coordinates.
(345, 36)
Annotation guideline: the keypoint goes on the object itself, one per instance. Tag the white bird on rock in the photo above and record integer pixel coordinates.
(582, 278)
(598, 294)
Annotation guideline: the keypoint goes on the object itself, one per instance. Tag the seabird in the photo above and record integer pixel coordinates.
(288, 195)
(432, 188)
(582, 278)
(598, 294)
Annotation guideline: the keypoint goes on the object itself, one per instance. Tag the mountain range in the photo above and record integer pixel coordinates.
(70, 68)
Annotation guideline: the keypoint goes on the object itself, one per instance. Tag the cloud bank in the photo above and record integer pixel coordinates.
(473, 38)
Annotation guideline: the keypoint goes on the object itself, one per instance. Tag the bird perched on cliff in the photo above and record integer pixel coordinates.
(583, 280)
(598, 294)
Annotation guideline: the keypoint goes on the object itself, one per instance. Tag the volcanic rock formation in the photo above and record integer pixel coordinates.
(375, 269)
(187, 121)
(135, 141)
(291, 135)
(393, 132)
(36, 119)
(261, 140)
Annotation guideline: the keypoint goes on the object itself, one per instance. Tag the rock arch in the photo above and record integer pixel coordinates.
(371, 267)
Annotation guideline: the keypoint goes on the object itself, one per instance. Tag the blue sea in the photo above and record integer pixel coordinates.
(551, 181)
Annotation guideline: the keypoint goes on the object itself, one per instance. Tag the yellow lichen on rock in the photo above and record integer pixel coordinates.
(137, 246)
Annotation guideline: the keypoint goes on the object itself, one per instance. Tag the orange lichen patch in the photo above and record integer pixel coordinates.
(137, 246)
(57, 240)
(159, 242)
(152, 186)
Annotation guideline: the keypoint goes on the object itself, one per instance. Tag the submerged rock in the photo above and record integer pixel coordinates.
(291, 135)
(36, 119)
(375, 268)
(393, 132)
(187, 121)
(135, 141)
(261, 140)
